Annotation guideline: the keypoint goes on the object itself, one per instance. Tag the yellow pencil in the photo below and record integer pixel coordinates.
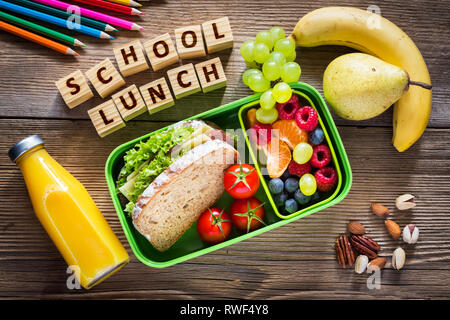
(130, 3)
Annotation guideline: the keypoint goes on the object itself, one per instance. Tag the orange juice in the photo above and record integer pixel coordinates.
(69, 215)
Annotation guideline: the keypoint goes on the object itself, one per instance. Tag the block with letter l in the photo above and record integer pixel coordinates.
(130, 58)
(106, 118)
(211, 75)
(218, 34)
(157, 95)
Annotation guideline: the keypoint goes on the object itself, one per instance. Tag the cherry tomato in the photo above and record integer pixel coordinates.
(248, 214)
(241, 181)
(214, 225)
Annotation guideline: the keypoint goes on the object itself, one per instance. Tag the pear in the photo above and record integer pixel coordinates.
(359, 86)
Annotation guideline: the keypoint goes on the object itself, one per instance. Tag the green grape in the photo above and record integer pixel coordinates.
(261, 52)
(252, 65)
(286, 46)
(307, 184)
(247, 50)
(302, 152)
(271, 70)
(247, 74)
(277, 57)
(282, 92)
(267, 100)
(277, 33)
(258, 83)
(292, 57)
(264, 37)
(266, 116)
(290, 72)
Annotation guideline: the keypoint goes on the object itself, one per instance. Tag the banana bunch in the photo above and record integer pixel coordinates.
(370, 33)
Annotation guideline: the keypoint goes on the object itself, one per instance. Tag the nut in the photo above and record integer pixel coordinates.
(410, 234)
(361, 263)
(379, 210)
(405, 202)
(376, 264)
(344, 252)
(356, 228)
(365, 245)
(393, 228)
(398, 258)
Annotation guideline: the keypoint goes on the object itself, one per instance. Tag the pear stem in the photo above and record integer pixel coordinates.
(420, 84)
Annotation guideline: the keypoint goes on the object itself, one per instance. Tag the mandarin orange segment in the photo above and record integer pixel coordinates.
(289, 132)
(278, 157)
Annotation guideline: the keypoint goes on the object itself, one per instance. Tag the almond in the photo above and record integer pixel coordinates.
(376, 264)
(393, 228)
(356, 228)
(379, 210)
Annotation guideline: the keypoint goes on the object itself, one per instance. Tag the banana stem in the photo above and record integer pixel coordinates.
(420, 84)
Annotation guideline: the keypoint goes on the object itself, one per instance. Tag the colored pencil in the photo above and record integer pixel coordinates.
(54, 20)
(93, 14)
(41, 29)
(64, 15)
(37, 38)
(111, 6)
(130, 3)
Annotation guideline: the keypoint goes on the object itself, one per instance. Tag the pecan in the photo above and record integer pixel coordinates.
(365, 245)
(344, 252)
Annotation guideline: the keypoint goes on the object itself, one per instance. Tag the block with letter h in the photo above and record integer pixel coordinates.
(211, 75)
(130, 58)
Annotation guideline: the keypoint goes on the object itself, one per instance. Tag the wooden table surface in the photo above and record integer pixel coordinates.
(292, 262)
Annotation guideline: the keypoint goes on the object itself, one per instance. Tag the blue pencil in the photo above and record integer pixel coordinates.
(54, 20)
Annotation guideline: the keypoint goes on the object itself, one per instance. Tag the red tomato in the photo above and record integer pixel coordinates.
(241, 181)
(214, 225)
(248, 214)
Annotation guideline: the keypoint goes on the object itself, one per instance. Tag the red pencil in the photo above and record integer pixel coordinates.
(112, 6)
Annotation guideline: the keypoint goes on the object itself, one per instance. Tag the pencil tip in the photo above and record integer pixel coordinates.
(135, 4)
(136, 12)
(110, 28)
(136, 27)
(69, 51)
(78, 43)
(104, 35)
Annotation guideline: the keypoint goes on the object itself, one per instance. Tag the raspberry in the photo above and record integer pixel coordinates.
(321, 156)
(299, 170)
(287, 110)
(326, 178)
(261, 133)
(307, 118)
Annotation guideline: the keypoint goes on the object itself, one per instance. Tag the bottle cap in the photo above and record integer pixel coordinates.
(23, 146)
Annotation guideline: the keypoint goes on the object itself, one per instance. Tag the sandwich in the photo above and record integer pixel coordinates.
(175, 175)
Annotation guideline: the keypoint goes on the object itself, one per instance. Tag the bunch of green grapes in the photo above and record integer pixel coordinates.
(271, 59)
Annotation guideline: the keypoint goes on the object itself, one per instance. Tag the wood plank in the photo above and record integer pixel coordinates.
(28, 86)
(291, 262)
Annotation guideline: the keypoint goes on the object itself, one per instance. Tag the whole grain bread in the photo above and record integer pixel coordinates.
(178, 196)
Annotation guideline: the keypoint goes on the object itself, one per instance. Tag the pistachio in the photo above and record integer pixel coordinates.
(393, 228)
(410, 234)
(398, 258)
(405, 202)
(361, 263)
(379, 210)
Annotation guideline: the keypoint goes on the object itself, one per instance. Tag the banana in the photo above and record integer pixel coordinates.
(370, 33)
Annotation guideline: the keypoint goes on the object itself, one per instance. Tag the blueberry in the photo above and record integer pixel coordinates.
(301, 198)
(291, 205)
(291, 184)
(285, 175)
(316, 196)
(316, 136)
(280, 198)
(276, 186)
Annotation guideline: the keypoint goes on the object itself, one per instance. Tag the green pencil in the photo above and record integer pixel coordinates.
(42, 30)
(64, 15)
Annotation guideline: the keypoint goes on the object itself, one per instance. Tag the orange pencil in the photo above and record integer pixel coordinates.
(37, 38)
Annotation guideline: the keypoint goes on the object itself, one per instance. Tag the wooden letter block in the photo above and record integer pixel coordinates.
(161, 52)
(190, 42)
(183, 80)
(106, 118)
(129, 102)
(130, 58)
(157, 95)
(211, 75)
(74, 89)
(218, 34)
(105, 78)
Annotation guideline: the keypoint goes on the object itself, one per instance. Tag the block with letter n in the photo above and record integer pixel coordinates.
(157, 95)
(218, 34)
(130, 58)
(74, 89)
(106, 118)
(211, 75)
(129, 102)
(105, 78)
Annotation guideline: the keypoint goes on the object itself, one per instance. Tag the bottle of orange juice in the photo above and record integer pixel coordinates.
(68, 214)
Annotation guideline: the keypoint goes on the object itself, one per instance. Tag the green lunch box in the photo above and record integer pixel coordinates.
(232, 116)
